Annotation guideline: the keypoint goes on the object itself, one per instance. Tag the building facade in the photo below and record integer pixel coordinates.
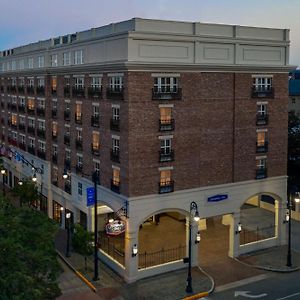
(166, 113)
(294, 92)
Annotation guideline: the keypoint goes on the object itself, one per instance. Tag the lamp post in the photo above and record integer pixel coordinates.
(95, 178)
(292, 191)
(68, 216)
(193, 208)
(3, 171)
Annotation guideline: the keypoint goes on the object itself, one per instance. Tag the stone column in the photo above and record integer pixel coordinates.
(281, 227)
(194, 230)
(234, 239)
(131, 262)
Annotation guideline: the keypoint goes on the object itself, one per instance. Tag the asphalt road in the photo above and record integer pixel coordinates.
(270, 286)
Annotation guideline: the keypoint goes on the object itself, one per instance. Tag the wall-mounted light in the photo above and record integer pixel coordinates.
(34, 177)
(68, 215)
(65, 174)
(287, 217)
(134, 250)
(61, 208)
(198, 238)
(111, 220)
(3, 171)
(20, 182)
(238, 228)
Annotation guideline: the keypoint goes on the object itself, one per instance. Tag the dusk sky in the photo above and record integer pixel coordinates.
(25, 21)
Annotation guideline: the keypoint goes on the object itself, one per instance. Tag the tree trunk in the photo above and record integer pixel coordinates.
(85, 263)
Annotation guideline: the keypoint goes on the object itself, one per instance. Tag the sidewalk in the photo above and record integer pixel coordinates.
(169, 286)
(272, 259)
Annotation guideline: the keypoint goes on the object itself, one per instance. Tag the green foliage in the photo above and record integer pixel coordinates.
(82, 241)
(28, 262)
(28, 192)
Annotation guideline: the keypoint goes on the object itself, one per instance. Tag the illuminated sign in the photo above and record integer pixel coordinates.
(217, 198)
(115, 227)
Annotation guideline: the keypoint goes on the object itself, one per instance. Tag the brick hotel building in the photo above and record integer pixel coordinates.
(165, 112)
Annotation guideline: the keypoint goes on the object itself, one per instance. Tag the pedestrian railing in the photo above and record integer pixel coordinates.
(150, 259)
(111, 249)
(250, 235)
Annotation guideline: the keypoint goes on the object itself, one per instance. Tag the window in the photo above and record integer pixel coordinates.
(261, 163)
(41, 61)
(165, 146)
(22, 102)
(79, 82)
(14, 119)
(79, 134)
(22, 82)
(31, 142)
(54, 150)
(67, 130)
(262, 109)
(42, 146)
(78, 113)
(41, 124)
(31, 82)
(116, 145)
(293, 100)
(22, 139)
(53, 84)
(165, 121)
(30, 103)
(116, 83)
(115, 112)
(54, 181)
(96, 110)
(261, 143)
(262, 83)
(80, 188)
(30, 63)
(68, 155)
(78, 57)
(261, 138)
(22, 120)
(97, 166)
(54, 104)
(166, 184)
(116, 176)
(66, 58)
(166, 84)
(54, 129)
(31, 123)
(261, 167)
(41, 82)
(54, 60)
(95, 141)
(79, 161)
(96, 82)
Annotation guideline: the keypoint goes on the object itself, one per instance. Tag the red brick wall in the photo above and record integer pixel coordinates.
(215, 131)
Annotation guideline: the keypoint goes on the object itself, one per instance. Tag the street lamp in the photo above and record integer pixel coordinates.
(292, 191)
(193, 208)
(95, 178)
(3, 171)
(68, 216)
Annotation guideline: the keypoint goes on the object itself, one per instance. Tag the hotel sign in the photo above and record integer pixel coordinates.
(217, 198)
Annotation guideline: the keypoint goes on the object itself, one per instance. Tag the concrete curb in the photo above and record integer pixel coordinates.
(271, 269)
(87, 282)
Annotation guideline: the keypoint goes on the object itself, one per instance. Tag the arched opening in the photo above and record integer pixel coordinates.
(111, 234)
(258, 219)
(162, 239)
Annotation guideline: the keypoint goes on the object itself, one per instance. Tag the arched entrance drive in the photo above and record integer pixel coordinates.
(258, 219)
(162, 239)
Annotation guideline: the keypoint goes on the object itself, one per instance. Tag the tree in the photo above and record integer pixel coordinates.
(27, 192)
(28, 262)
(82, 242)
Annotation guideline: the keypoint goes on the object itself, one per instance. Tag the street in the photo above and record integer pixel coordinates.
(269, 286)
